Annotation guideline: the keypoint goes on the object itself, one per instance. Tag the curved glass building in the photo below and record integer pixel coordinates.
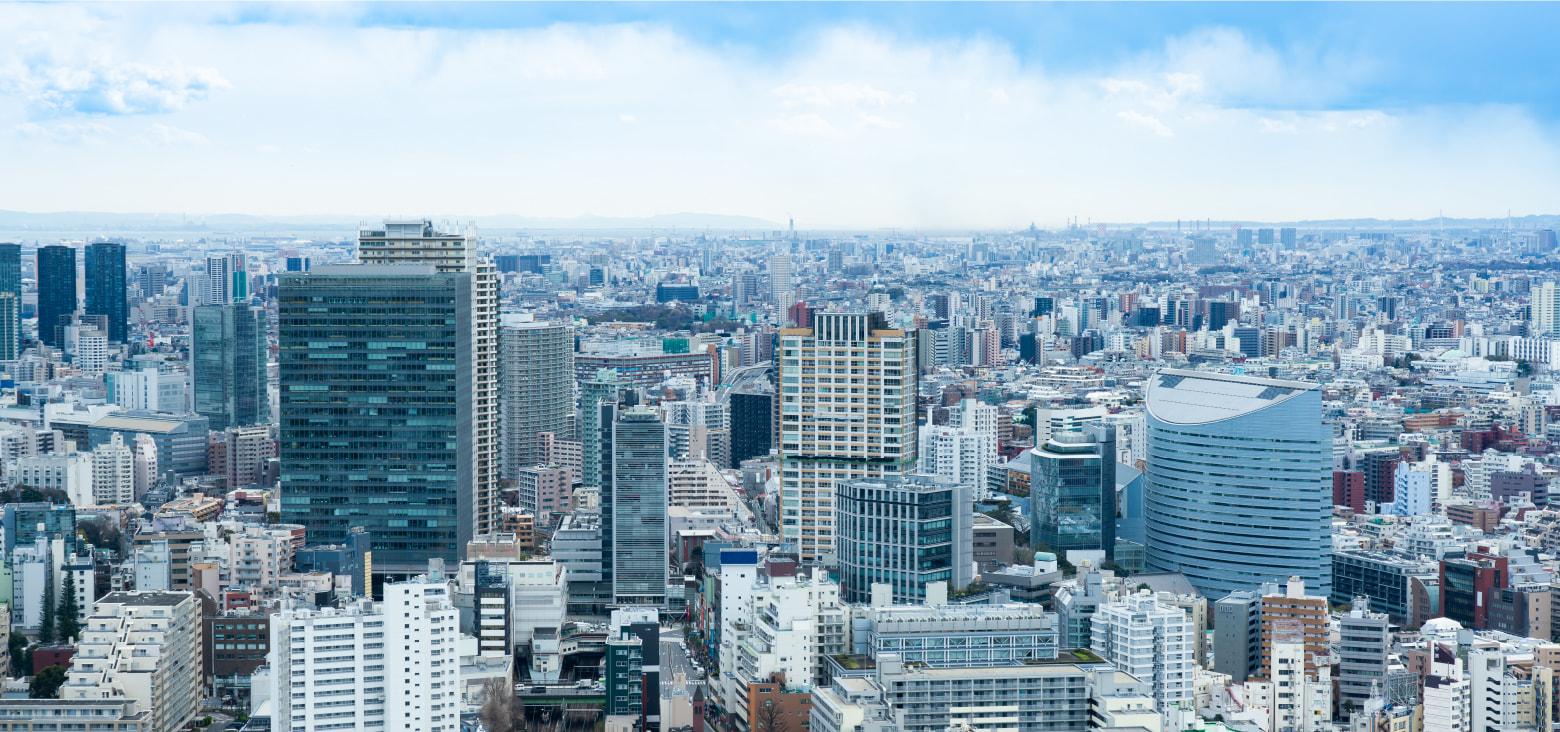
(1238, 481)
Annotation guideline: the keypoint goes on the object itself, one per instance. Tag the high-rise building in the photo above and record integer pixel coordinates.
(106, 284)
(1287, 605)
(227, 279)
(394, 663)
(1287, 238)
(1546, 309)
(113, 473)
(56, 291)
(143, 646)
(781, 289)
(851, 416)
(538, 386)
(1237, 635)
(1073, 484)
(638, 507)
(1151, 641)
(228, 354)
(393, 344)
(604, 387)
(752, 416)
(1363, 654)
(904, 533)
(420, 242)
(1229, 458)
(10, 307)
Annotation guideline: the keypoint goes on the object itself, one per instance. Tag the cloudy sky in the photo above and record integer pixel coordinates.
(860, 115)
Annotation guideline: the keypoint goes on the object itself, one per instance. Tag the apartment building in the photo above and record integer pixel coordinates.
(144, 646)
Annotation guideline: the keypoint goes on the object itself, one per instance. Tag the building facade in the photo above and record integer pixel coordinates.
(228, 355)
(906, 534)
(537, 387)
(106, 284)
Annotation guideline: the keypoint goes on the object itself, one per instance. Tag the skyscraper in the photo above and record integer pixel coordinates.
(847, 412)
(228, 364)
(605, 386)
(418, 241)
(639, 570)
(227, 278)
(781, 289)
(10, 309)
(1230, 459)
(538, 386)
(106, 280)
(1073, 484)
(56, 290)
(1546, 309)
(377, 401)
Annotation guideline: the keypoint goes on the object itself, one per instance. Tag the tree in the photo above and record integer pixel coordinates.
(46, 683)
(272, 517)
(1524, 368)
(500, 710)
(69, 610)
(100, 534)
(771, 718)
(46, 629)
(21, 653)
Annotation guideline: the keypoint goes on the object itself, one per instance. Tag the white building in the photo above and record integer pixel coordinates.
(392, 665)
(1151, 641)
(153, 564)
(70, 473)
(145, 463)
(1292, 699)
(113, 473)
(260, 557)
(1446, 694)
(1504, 693)
(1413, 491)
(32, 569)
(148, 389)
(738, 583)
(144, 646)
(1072, 419)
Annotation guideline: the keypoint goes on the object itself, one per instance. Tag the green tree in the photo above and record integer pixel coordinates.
(46, 683)
(70, 610)
(46, 629)
(21, 653)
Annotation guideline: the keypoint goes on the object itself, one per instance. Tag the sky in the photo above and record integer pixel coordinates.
(839, 115)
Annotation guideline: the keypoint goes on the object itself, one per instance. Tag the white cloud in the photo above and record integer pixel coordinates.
(169, 136)
(851, 127)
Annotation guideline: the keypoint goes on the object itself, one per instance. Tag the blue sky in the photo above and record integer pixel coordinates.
(841, 114)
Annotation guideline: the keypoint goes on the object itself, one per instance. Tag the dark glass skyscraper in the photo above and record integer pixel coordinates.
(1073, 489)
(227, 365)
(639, 572)
(106, 279)
(376, 409)
(56, 290)
(10, 301)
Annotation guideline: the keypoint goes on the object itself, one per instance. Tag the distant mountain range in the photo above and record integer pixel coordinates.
(1540, 221)
(97, 221)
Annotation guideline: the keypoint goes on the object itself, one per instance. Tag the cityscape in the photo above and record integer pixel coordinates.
(816, 367)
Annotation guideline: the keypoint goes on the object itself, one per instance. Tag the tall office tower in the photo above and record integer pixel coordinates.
(605, 387)
(538, 386)
(781, 289)
(391, 663)
(1286, 238)
(10, 312)
(152, 279)
(1546, 309)
(228, 355)
(419, 242)
(851, 416)
(377, 409)
(638, 519)
(1151, 641)
(1073, 484)
(56, 291)
(106, 281)
(1230, 458)
(905, 533)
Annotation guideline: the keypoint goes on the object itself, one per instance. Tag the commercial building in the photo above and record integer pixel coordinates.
(391, 665)
(1072, 488)
(751, 413)
(642, 363)
(848, 412)
(960, 635)
(637, 508)
(144, 646)
(1365, 641)
(603, 387)
(537, 386)
(420, 242)
(236, 643)
(1384, 577)
(180, 439)
(905, 533)
(56, 291)
(393, 341)
(10, 308)
(106, 283)
(1229, 458)
(228, 355)
(1237, 635)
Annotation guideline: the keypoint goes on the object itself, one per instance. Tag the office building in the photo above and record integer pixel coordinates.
(537, 386)
(905, 533)
(393, 341)
(1151, 641)
(56, 291)
(959, 635)
(419, 242)
(638, 508)
(227, 279)
(10, 301)
(1265, 442)
(1237, 635)
(180, 439)
(604, 388)
(236, 642)
(644, 363)
(1385, 577)
(848, 412)
(228, 355)
(106, 284)
(144, 646)
(1365, 642)
(22, 522)
(752, 418)
(1072, 486)
(391, 665)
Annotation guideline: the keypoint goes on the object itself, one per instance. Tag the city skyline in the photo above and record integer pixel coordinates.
(841, 116)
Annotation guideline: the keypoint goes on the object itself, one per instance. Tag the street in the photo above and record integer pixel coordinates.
(673, 659)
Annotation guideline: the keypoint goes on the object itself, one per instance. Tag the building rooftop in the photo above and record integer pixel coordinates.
(147, 598)
(1199, 397)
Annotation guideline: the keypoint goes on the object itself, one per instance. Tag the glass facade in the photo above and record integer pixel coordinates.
(639, 569)
(228, 355)
(56, 290)
(106, 279)
(376, 402)
(1238, 482)
(1073, 485)
(905, 534)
